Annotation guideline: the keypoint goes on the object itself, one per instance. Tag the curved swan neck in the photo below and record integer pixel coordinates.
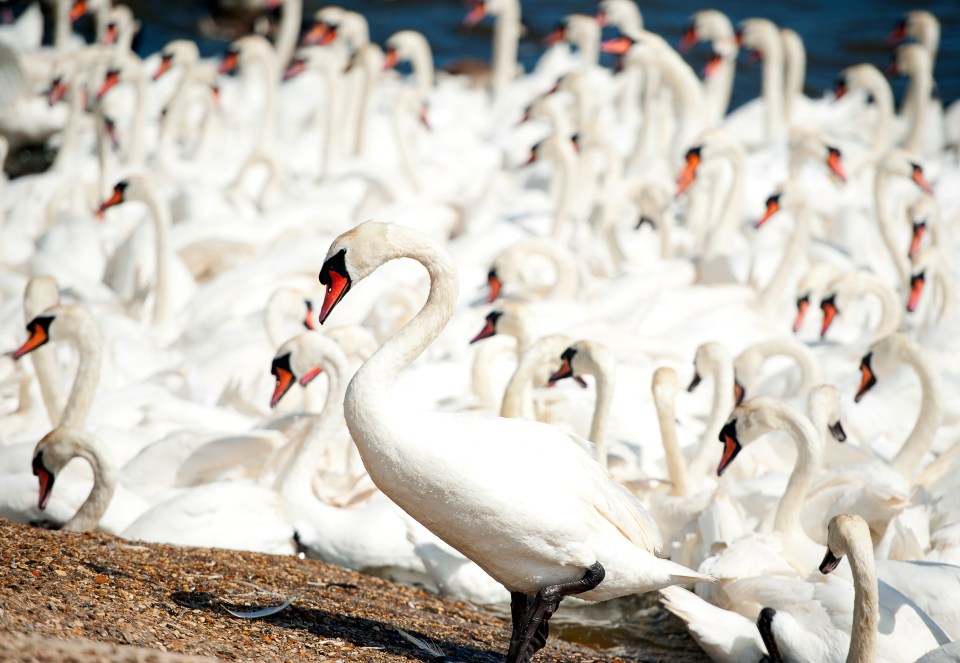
(722, 406)
(866, 603)
(917, 101)
(928, 420)
(104, 484)
(890, 315)
(772, 89)
(89, 348)
(796, 248)
(809, 460)
(516, 398)
(380, 371)
(897, 255)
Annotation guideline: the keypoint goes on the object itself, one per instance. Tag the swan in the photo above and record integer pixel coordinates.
(51, 455)
(70, 322)
(138, 189)
(924, 133)
(583, 32)
(120, 30)
(507, 269)
(128, 67)
(921, 25)
(763, 36)
(506, 37)
(928, 266)
(795, 71)
(885, 355)
(369, 531)
(747, 366)
(284, 305)
(714, 26)
(894, 169)
(289, 31)
(845, 289)
(246, 54)
(517, 400)
(411, 46)
(866, 78)
(712, 359)
(885, 625)
(596, 359)
(601, 542)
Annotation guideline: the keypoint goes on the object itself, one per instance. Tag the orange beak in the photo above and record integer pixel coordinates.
(618, 45)
(802, 305)
(110, 35)
(565, 370)
(602, 19)
(333, 274)
(38, 336)
(115, 199)
(78, 9)
(921, 182)
(476, 14)
(284, 382)
(839, 90)
(899, 33)
(315, 35)
(495, 286)
(230, 62)
(112, 78)
(688, 175)
(867, 378)
(166, 62)
(310, 376)
(835, 164)
(390, 58)
(554, 37)
(773, 206)
(731, 447)
(712, 64)
(57, 91)
(46, 480)
(489, 329)
(296, 67)
(829, 309)
(689, 40)
(916, 289)
(308, 318)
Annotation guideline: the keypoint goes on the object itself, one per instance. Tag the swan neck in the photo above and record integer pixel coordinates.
(136, 152)
(565, 166)
(722, 406)
(601, 414)
(379, 373)
(796, 248)
(809, 461)
(289, 32)
(866, 604)
(422, 64)
(889, 307)
(917, 100)
(928, 420)
(676, 463)
(89, 349)
(886, 226)
(772, 89)
(104, 484)
(506, 35)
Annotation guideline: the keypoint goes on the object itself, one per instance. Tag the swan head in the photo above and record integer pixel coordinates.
(910, 60)
(619, 13)
(301, 359)
(52, 453)
(79, 9)
(489, 327)
(688, 175)
(823, 404)
(353, 256)
(844, 532)
(883, 357)
(759, 34)
(707, 361)
(404, 46)
(828, 305)
(124, 190)
(63, 321)
(585, 358)
(180, 53)
(747, 422)
(289, 303)
(512, 318)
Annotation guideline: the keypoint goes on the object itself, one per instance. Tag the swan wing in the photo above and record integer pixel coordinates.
(727, 637)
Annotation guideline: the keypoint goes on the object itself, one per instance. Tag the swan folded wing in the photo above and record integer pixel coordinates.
(932, 586)
(750, 556)
(723, 634)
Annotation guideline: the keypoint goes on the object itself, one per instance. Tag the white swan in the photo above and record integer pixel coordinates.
(841, 292)
(506, 37)
(748, 364)
(596, 359)
(763, 36)
(439, 467)
(508, 270)
(714, 26)
(40, 294)
(885, 626)
(712, 359)
(882, 358)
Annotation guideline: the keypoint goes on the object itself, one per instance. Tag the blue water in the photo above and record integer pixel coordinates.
(837, 33)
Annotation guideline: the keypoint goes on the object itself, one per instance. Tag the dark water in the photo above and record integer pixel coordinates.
(837, 33)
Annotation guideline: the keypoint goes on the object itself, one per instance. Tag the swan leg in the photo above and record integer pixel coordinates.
(519, 605)
(533, 633)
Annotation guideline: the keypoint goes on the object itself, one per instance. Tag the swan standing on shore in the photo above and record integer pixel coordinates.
(586, 536)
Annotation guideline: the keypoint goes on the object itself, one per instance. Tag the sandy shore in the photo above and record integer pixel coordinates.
(94, 597)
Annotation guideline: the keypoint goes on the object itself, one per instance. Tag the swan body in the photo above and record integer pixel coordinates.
(509, 542)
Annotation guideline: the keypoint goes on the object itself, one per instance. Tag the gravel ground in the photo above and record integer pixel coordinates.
(92, 597)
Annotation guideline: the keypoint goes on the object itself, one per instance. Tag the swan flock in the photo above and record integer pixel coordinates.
(789, 260)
